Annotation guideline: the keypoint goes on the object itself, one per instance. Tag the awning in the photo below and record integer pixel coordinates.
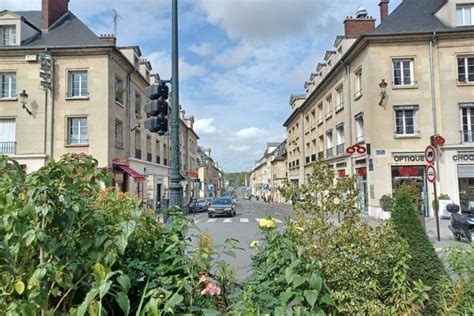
(136, 176)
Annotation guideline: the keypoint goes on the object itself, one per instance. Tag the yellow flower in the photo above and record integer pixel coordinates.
(253, 244)
(301, 229)
(267, 223)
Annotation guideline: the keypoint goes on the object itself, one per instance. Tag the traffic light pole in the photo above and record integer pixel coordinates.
(175, 189)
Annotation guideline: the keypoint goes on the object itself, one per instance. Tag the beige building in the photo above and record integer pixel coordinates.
(261, 175)
(188, 142)
(371, 106)
(85, 94)
(279, 172)
(210, 175)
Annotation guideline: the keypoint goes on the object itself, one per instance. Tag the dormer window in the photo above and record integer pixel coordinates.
(465, 14)
(7, 35)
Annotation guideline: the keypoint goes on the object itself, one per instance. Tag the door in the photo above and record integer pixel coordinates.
(362, 187)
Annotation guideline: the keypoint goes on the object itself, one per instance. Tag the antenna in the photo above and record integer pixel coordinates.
(116, 16)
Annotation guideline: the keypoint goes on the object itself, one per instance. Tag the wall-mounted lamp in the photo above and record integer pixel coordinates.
(136, 127)
(383, 90)
(24, 101)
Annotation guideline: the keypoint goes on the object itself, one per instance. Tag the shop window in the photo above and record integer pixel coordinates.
(413, 176)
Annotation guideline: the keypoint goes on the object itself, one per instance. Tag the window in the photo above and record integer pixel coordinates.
(320, 112)
(340, 139)
(339, 51)
(148, 148)
(77, 84)
(329, 102)
(403, 72)
(405, 120)
(358, 84)
(165, 154)
(118, 134)
(119, 90)
(8, 35)
(157, 148)
(138, 104)
(466, 69)
(7, 85)
(359, 122)
(77, 131)
(7, 136)
(467, 124)
(329, 150)
(138, 145)
(340, 98)
(465, 14)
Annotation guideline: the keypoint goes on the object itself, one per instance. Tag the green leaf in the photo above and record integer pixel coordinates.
(104, 288)
(316, 281)
(128, 228)
(99, 273)
(124, 282)
(231, 253)
(121, 242)
(36, 277)
(327, 299)
(279, 311)
(89, 298)
(286, 296)
(20, 287)
(311, 296)
(29, 236)
(289, 276)
(298, 280)
(173, 301)
(124, 302)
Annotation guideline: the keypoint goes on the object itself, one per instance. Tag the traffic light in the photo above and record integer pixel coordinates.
(157, 108)
(46, 70)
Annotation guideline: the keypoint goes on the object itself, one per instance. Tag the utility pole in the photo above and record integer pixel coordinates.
(176, 189)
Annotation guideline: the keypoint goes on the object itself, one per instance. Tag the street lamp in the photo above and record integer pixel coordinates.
(24, 101)
(383, 90)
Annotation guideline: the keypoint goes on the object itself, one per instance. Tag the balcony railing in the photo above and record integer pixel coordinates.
(329, 152)
(340, 149)
(7, 148)
(467, 136)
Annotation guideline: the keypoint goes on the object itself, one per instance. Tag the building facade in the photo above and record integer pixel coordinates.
(261, 175)
(210, 175)
(372, 106)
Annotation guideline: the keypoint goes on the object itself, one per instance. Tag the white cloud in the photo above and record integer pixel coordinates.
(248, 133)
(161, 63)
(236, 55)
(239, 148)
(203, 49)
(205, 126)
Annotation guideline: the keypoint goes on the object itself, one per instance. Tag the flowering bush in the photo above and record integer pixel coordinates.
(267, 223)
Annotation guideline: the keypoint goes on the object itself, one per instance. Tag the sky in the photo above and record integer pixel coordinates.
(240, 60)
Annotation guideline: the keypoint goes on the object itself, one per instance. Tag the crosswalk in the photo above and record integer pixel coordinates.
(231, 220)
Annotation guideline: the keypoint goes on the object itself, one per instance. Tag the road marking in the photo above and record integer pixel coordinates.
(258, 220)
(278, 221)
(211, 220)
(244, 220)
(197, 221)
(227, 220)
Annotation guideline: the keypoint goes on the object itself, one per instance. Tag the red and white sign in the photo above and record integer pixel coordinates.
(356, 149)
(430, 174)
(430, 154)
(439, 140)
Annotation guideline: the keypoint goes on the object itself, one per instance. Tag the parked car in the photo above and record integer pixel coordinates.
(221, 206)
(201, 205)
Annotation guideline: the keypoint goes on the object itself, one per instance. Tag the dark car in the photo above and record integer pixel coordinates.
(201, 205)
(221, 206)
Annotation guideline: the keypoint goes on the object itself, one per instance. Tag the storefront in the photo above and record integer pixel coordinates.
(460, 173)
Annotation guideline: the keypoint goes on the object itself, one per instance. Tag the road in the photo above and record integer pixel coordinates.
(243, 227)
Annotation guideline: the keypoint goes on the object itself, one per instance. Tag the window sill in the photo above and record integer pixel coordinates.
(357, 96)
(328, 115)
(77, 98)
(404, 87)
(77, 145)
(121, 147)
(119, 104)
(465, 84)
(401, 136)
(339, 108)
(8, 99)
(320, 121)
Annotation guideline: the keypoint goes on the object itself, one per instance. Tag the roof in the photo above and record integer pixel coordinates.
(412, 16)
(67, 31)
(280, 152)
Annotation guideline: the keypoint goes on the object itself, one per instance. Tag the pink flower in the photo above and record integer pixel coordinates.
(202, 278)
(211, 289)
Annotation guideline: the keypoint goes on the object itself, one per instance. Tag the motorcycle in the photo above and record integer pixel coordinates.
(462, 226)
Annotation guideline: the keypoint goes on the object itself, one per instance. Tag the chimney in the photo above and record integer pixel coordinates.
(360, 25)
(52, 10)
(108, 39)
(383, 9)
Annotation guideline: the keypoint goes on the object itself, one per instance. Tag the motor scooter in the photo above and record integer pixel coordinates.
(462, 226)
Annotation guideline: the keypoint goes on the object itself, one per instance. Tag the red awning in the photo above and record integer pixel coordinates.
(136, 176)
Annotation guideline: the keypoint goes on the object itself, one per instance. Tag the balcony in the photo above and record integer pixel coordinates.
(329, 152)
(467, 136)
(7, 148)
(340, 149)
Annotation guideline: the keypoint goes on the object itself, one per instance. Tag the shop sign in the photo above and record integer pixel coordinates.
(464, 156)
(409, 157)
(408, 171)
(362, 172)
(341, 173)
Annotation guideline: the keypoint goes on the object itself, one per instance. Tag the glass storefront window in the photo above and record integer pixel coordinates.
(415, 177)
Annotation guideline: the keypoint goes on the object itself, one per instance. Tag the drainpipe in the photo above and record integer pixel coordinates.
(53, 88)
(127, 146)
(433, 96)
(348, 76)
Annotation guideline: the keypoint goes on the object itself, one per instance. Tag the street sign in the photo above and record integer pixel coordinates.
(430, 154)
(430, 174)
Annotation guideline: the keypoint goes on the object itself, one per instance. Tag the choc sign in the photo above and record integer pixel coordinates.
(464, 157)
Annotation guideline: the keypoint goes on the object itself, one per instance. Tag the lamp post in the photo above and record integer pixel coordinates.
(175, 189)
(24, 101)
(383, 90)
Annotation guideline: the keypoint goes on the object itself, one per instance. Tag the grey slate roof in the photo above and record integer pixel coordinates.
(413, 16)
(68, 31)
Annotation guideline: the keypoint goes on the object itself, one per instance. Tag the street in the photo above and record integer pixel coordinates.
(243, 227)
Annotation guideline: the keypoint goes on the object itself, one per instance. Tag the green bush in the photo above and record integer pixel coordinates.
(424, 262)
(70, 246)
(387, 203)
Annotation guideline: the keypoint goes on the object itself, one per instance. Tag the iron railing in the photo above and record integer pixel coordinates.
(340, 149)
(467, 136)
(7, 148)
(329, 152)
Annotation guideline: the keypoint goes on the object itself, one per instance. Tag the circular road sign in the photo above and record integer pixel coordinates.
(430, 154)
(430, 174)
